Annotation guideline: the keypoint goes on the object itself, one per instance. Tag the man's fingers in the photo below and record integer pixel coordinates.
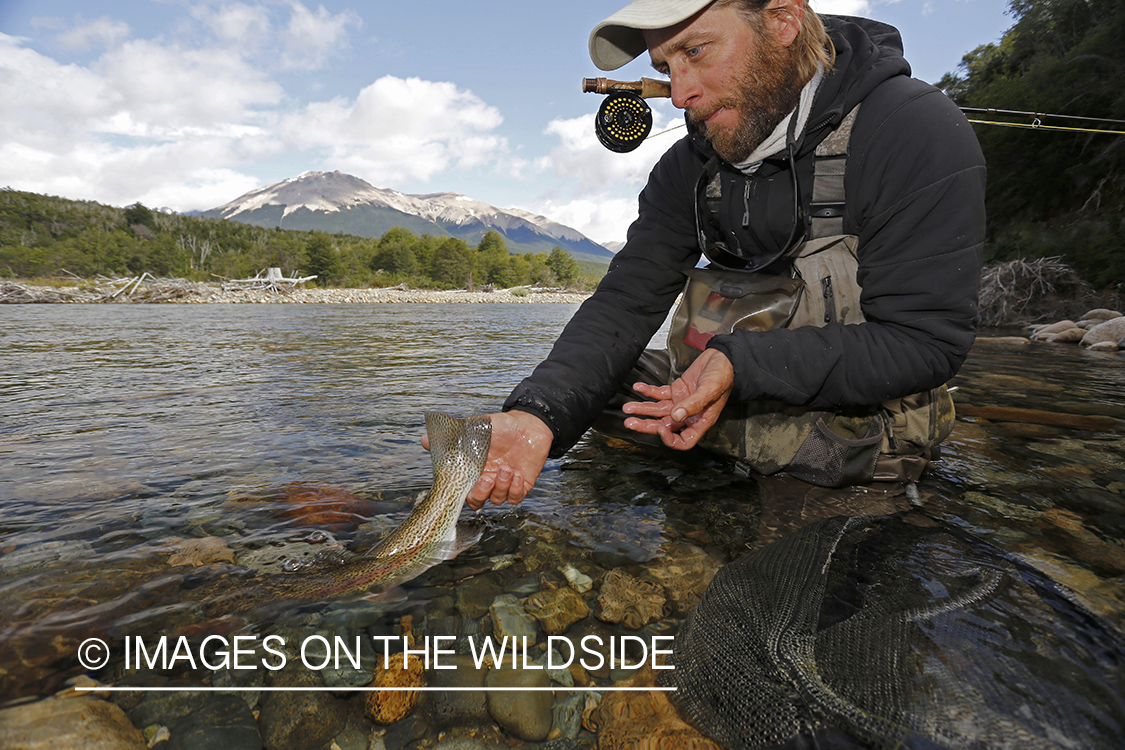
(648, 426)
(481, 490)
(653, 391)
(647, 408)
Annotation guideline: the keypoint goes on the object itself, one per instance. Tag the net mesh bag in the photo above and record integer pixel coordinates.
(879, 632)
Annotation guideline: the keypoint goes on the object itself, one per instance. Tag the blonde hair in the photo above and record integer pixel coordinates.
(812, 47)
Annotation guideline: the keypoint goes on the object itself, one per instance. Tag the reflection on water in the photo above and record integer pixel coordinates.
(130, 433)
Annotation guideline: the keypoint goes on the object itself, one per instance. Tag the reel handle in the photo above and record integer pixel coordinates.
(646, 88)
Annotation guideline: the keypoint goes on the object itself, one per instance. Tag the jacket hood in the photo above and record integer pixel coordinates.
(867, 54)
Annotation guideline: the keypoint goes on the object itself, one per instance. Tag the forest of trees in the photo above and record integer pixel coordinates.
(1053, 192)
(43, 236)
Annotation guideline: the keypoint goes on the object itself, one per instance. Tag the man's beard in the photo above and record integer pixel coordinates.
(768, 90)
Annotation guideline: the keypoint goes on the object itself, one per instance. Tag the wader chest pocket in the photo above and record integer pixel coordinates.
(717, 302)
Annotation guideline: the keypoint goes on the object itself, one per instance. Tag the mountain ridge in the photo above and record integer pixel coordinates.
(339, 202)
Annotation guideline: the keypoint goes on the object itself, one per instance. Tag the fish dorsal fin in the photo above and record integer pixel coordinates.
(458, 444)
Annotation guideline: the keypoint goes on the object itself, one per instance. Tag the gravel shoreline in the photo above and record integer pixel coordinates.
(196, 293)
(376, 296)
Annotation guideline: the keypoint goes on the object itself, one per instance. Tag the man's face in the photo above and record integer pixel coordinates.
(735, 84)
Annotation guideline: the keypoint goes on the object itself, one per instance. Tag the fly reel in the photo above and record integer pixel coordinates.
(624, 120)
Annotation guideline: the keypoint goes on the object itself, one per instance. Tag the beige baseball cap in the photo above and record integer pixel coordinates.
(619, 38)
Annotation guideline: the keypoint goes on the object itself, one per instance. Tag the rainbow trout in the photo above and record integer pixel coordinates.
(428, 536)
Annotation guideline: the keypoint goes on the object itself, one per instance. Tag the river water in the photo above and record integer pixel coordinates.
(128, 429)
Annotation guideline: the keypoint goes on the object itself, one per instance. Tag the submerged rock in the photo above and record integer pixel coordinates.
(290, 555)
(200, 551)
(462, 707)
(300, 719)
(578, 580)
(392, 706)
(684, 573)
(642, 719)
(73, 722)
(474, 597)
(557, 609)
(525, 713)
(631, 601)
(510, 619)
(223, 722)
(42, 555)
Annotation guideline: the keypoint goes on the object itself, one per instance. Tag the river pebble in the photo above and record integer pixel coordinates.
(390, 707)
(510, 620)
(556, 609)
(629, 600)
(402, 733)
(222, 722)
(578, 580)
(525, 713)
(457, 707)
(72, 722)
(294, 720)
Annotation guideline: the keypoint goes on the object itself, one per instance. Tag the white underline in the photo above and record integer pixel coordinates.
(94, 689)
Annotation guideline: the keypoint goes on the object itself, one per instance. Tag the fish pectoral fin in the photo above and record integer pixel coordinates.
(466, 537)
(390, 596)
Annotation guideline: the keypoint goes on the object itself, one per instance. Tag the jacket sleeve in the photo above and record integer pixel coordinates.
(914, 187)
(607, 334)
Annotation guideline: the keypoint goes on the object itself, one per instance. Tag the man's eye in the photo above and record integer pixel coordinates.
(694, 51)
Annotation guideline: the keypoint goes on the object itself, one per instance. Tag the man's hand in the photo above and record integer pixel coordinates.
(682, 412)
(518, 450)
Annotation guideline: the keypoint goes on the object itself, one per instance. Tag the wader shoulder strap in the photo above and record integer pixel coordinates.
(826, 211)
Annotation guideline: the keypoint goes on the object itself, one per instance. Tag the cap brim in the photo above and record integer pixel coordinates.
(619, 39)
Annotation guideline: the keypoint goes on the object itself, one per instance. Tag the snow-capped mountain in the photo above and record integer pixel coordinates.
(337, 202)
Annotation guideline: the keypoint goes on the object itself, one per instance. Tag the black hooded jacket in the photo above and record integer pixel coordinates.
(914, 189)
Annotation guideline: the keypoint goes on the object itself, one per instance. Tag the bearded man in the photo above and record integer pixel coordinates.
(853, 378)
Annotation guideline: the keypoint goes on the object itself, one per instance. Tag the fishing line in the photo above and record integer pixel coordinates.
(1040, 126)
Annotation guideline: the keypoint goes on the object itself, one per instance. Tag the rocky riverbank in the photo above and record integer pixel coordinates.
(180, 291)
(378, 296)
(1098, 330)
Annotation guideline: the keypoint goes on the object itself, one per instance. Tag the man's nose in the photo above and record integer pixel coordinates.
(686, 89)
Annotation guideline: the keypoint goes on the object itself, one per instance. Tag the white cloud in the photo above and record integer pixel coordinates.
(168, 87)
(44, 99)
(580, 156)
(596, 189)
(139, 119)
(286, 35)
(311, 38)
(602, 218)
(399, 129)
(103, 32)
(246, 25)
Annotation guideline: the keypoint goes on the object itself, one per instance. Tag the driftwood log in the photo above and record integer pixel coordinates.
(143, 289)
(273, 281)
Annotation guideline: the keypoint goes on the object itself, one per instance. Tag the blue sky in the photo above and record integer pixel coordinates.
(188, 104)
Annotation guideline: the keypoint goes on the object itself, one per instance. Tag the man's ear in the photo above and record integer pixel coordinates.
(784, 19)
